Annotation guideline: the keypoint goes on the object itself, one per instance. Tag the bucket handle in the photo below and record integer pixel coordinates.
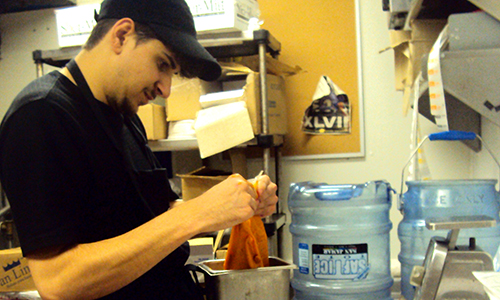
(451, 135)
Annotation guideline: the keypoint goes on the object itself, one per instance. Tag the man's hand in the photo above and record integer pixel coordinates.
(235, 200)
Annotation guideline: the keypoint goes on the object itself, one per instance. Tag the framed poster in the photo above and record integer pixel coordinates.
(322, 37)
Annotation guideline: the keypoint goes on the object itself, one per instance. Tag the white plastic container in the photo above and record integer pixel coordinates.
(341, 240)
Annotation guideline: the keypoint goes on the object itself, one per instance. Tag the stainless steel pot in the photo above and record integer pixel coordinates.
(267, 283)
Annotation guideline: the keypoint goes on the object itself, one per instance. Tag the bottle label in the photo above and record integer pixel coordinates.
(340, 262)
(303, 258)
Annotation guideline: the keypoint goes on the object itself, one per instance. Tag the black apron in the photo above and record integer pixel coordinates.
(155, 193)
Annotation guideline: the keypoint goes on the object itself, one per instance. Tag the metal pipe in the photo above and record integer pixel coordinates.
(263, 104)
(5, 210)
(39, 69)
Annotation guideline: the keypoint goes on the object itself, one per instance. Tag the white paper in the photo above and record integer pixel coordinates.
(435, 79)
(222, 127)
(491, 283)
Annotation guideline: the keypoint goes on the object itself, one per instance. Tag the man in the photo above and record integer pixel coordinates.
(89, 199)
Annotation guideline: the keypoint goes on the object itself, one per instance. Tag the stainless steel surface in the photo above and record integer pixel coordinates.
(470, 31)
(174, 144)
(433, 265)
(263, 105)
(457, 279)
(447, 269)
(192, 144)
(490, 6)
(39, 69)
(235, 39)
(459, 222)
(470, 76)
(268, 283)
(276, 221)
(263, 88)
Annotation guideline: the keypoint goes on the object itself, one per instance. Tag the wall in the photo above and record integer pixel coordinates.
(22, 33)
(387, 131)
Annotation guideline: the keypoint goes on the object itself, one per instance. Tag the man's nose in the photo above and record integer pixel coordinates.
(163, 86)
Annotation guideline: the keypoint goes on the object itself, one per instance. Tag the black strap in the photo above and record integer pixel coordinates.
(142, 141)
(89, 97)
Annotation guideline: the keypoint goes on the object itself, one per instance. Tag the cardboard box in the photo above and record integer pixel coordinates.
(275, 103)
(251, 95)
(15, 275)
(74, 24)
(222, 15)
(154, 118)
(409, 49)
(200, 249)
(410, 46)
(199, 181)
(184, 100)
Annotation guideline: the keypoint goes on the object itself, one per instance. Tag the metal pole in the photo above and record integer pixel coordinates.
(263, 104)
(39, 69)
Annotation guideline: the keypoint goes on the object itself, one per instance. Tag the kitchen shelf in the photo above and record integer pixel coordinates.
(218, 47)
(14, 6)
(192, 144)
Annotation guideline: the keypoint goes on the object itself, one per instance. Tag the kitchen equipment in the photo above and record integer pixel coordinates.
(340, 241)
(267, 283)
(447, 269)
(443, 198)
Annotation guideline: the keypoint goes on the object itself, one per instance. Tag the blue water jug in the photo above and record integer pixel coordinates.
(340, 241)
(443, 198)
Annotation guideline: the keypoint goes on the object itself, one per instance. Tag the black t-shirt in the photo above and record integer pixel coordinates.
(68, 184)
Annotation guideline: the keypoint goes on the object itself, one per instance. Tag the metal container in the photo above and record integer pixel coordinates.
(267, 283)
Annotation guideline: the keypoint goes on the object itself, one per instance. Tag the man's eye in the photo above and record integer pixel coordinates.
(164, 66)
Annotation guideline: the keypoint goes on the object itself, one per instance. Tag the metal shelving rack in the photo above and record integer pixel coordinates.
(261, 43)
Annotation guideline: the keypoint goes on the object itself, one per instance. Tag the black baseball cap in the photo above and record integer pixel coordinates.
(172, 22)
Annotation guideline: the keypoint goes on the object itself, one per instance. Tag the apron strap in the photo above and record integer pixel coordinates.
(89, 97)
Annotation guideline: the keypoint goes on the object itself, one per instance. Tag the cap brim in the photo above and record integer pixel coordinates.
(205, 66)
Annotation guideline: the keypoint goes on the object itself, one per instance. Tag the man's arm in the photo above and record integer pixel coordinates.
(96, 269)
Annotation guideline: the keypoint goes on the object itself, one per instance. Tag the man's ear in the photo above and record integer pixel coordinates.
(121, 32)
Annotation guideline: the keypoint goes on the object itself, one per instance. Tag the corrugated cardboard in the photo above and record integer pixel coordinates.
(275, 103)
(410, 46)
(275, 98)
(222, 16)
(184, 100)
(409, 49)
(154, 118)
(200, 249)
(199, 181)
(15, 275)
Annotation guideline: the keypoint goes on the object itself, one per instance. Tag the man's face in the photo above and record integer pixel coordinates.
(144, 71)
